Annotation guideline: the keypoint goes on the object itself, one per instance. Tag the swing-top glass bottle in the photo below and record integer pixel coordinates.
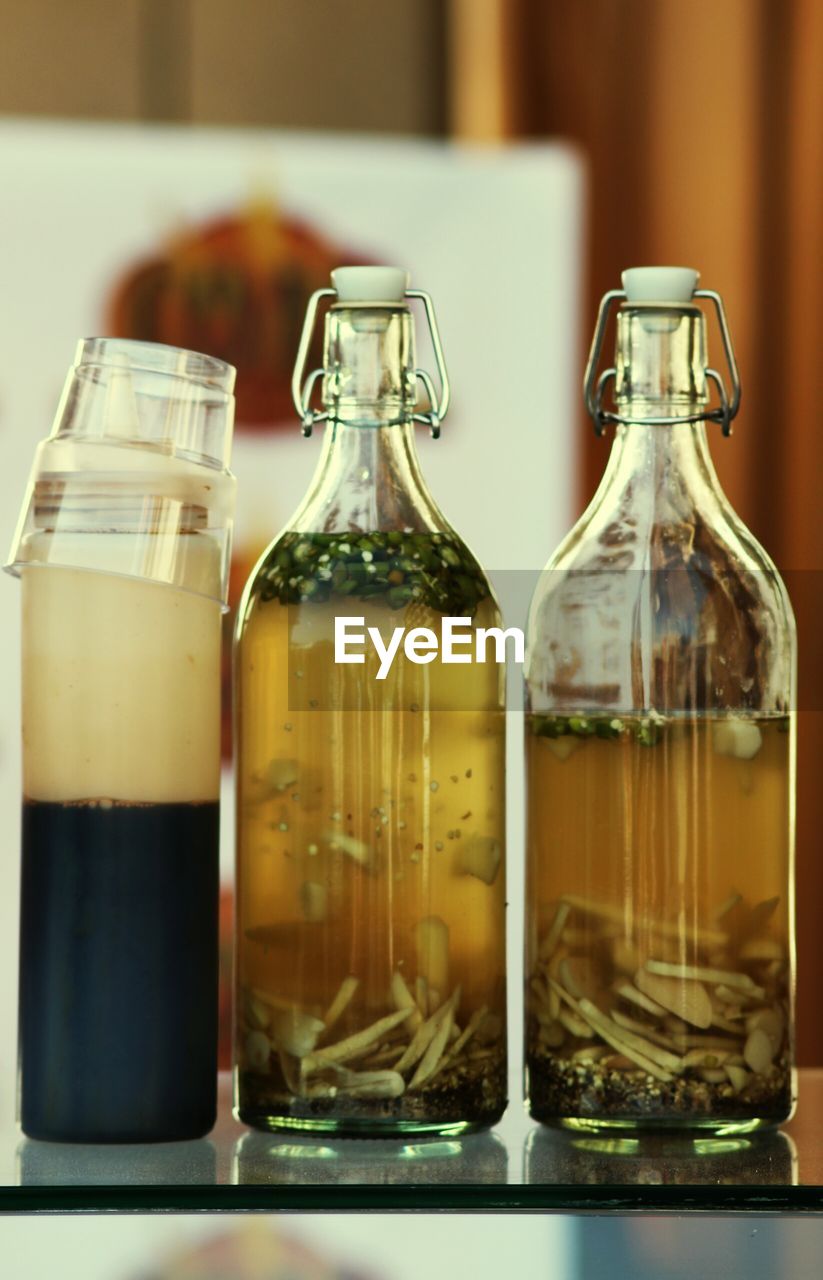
(660, 748)
(370, 966)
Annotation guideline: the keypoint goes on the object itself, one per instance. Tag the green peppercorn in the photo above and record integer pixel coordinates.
(648, 732)
(429, 567)
(399, 596)
(608, 729)
(304, 551)
(467, 585)
(550, 726)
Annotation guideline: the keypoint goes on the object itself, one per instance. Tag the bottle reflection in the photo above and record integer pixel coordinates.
(265, 1158)
(758, 1159)
(43, 1164)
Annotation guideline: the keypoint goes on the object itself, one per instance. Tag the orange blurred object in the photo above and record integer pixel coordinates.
(251, 1250)
(235, 287)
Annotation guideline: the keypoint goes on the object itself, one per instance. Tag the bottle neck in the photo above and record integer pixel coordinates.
(368, 477)
(369, 358)
(660, 362)
(661, 373)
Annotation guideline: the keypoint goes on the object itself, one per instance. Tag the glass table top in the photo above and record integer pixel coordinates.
(517, 1165)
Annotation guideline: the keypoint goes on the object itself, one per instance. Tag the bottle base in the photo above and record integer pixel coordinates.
(446, 1109)
(587, 1097)
(697, 1128)
(364, 1127)
(124, 1137)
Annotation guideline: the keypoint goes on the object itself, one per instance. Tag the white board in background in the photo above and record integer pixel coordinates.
(494, 234)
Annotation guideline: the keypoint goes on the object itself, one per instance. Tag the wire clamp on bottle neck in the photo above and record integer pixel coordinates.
(302, 386)
(594, 384)
(301, 392)
(434, 416)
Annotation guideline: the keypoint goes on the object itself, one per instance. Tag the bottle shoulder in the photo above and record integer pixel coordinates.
(709, 543)
(368, 479)
(657, 608)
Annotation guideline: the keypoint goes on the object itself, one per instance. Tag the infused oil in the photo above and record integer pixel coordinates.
(371, 878)
(659, 859)
(660, 768)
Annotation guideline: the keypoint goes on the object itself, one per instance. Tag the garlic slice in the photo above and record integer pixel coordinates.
(683, 996)
(737, 737)
(480, 856)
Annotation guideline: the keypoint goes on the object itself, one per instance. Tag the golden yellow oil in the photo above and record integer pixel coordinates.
(659, 850)
(370, 859)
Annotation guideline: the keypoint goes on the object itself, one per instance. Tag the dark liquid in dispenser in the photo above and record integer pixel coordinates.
(119, 904)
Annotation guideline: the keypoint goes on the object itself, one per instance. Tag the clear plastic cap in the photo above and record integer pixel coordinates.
(134, 477)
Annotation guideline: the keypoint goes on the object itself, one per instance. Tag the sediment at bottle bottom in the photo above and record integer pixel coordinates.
(118, 970)
(588, 1094)
(472, 1097)
(640, 1019)
(394, 1068)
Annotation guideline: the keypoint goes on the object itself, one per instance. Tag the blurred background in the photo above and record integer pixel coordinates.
(695, 128)
(288, 1247)
(398, 1247)
(188, 170)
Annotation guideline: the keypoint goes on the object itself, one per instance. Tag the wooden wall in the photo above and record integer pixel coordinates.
(293, 63)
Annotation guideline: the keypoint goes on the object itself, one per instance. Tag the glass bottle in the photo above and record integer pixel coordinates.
(660, 756)
(122, 552)
(370, 881)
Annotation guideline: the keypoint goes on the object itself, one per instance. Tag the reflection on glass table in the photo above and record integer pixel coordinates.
(67, 1164)
(263, 1158)
(517, 1165)
(760, 1159)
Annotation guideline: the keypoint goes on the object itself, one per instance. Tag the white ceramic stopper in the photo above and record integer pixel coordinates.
(370, 284)
(660, 284)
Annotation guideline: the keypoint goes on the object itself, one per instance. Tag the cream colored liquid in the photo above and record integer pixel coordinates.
(120, 687)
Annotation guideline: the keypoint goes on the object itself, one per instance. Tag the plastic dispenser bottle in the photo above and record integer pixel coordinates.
(122, 552)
